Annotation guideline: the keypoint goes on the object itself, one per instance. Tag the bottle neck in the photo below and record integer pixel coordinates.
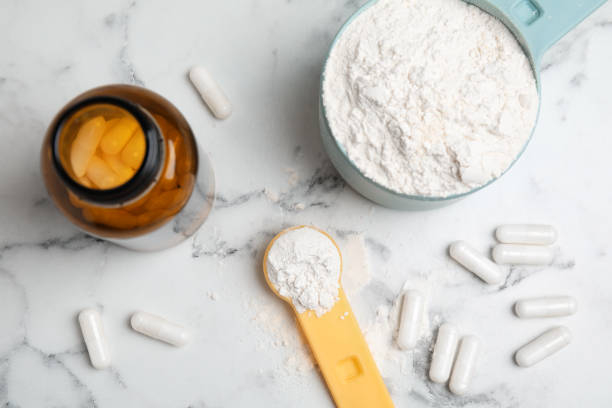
(145, 176)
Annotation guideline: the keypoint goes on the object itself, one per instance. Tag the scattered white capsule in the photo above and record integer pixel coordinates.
(534, 234)
(465, 365)
(549, 306)
(95, 340)
(543, 346)
(444, 353)
(410, 319)
(160, 329)
(211, 92)
(475, 262)
(512, 254)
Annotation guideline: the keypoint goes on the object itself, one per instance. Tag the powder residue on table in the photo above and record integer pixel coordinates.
(282, 333)
(355, 271)
(399, 368)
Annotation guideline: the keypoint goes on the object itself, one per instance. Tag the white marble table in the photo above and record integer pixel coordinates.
(247, 353)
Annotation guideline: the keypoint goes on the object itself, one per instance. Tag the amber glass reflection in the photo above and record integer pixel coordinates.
(161, 200)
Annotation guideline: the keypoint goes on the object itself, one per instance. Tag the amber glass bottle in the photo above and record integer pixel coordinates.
(122, 164)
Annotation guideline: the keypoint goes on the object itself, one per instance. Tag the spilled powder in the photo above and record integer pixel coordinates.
(281, 333)
(355, 270)
(293, 176)
(401, 370)
(271, 195)
(398, 366)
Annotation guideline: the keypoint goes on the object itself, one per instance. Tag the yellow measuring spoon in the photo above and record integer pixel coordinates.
(339, 347)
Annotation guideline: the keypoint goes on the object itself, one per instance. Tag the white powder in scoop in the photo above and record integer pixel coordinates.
(430, 97)
(304, 266)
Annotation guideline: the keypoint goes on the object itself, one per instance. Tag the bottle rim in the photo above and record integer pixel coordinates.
(142, 180)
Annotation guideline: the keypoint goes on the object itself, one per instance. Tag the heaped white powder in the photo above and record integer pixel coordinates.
(429, 97)
(304, 266)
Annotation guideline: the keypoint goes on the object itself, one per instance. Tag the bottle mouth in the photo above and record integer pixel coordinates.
(143, 178)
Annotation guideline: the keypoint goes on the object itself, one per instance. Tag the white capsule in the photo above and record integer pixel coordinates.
(534, 234)
(549, 306)
(543, 346)
(443, 353)
(95, 340)
(160, 329)
(475, 262)
(210, 91)
(512, 254)
(465, 364)
(410, 319)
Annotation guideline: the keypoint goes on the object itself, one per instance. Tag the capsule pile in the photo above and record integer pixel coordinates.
(453, 359)
(106, 154)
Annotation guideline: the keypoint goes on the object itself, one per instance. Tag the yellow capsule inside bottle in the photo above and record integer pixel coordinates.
(106, 146)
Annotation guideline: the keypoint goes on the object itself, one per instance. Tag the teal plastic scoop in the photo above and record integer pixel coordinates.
(537, 25)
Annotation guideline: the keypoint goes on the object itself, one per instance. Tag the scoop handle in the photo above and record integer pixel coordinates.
(539, 24)
(344, 358)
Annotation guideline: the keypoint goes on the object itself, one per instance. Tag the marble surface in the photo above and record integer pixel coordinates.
(272, 173)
